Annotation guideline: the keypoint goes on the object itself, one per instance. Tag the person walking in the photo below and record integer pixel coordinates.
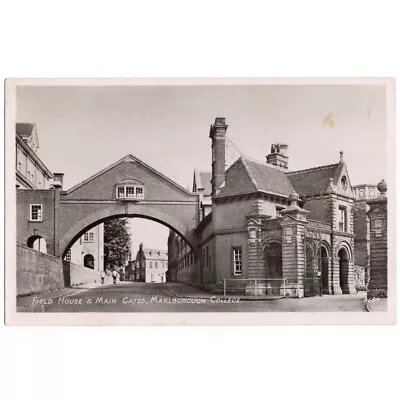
(102, 276)
(114, 274)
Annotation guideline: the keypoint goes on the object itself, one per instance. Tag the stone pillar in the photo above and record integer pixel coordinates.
(294, 224)
(378, 244)
(255, 266)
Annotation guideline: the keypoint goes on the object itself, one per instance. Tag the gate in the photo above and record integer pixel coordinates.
(312, 264)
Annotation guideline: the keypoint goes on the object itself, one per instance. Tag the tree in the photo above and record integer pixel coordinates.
(117, 242)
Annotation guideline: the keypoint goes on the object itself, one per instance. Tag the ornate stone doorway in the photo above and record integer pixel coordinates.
(344, 270)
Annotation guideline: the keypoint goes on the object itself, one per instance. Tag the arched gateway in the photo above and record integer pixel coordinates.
(127, 188)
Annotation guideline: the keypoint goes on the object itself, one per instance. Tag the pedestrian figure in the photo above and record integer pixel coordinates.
(114, 274)
(102, 276)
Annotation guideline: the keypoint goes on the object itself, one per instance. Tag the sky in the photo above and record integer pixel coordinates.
(84, 129)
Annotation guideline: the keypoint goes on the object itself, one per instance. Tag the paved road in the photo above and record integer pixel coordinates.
(171, 297)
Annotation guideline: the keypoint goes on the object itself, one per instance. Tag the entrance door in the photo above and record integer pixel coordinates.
(344, 270)
(325, 270)
(312, 280)
(273, 261)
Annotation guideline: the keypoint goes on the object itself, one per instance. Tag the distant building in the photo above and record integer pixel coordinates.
(32, 174)
(365, 192)
(152, 265)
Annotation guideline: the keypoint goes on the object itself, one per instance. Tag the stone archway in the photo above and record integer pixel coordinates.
(344, 270)
(139, 211)
(38, 243)
(273, 260)
(324, 270)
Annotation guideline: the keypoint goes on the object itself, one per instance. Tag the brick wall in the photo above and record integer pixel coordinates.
(37, 272)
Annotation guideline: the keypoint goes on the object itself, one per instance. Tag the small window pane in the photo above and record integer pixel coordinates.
(121, 192)
(130, 191)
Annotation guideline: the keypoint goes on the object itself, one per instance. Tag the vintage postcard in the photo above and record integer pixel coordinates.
(200, 201)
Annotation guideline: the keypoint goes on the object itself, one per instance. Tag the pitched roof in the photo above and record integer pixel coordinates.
(313, 180)
(205, 182)
(247, 176)
(24, 130)
(155, 254)
(202, 180)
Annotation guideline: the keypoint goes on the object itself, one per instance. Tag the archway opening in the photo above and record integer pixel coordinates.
(88, 261)
(38, 243)
(157, 265)
(344, 270)
(324, 270)
(273, 260)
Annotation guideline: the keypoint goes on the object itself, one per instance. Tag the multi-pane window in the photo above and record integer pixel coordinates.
(155, 264)
(36, 212)
(371, 193)
(237, 260)
(362, 192)
(342, 219)
(68, 256)
(88, 237)
(130, 192)
(151, 264)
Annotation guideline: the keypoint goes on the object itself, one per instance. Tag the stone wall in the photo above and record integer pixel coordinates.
(81, 275)
(37, 272)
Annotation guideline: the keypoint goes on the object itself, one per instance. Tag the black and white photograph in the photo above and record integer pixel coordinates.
(199, 198)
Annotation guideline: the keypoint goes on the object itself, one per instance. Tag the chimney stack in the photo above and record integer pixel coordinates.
(218, 136)
(278, 156)
(58, 179)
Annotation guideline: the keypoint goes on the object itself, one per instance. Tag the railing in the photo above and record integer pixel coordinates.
(255, 287)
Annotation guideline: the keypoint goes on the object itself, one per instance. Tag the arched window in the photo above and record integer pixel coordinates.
(88, 261)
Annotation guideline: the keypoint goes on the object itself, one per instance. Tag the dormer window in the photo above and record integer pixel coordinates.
(130, 192)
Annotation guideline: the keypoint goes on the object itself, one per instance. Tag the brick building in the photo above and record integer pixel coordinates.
(34, 181)
(291, 228)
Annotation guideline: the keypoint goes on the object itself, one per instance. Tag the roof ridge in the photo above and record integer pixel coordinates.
(253, 181)
(311, 169)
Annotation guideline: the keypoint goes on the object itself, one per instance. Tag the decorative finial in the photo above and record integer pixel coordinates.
(382, 187)
(341, 155)
(294, 197)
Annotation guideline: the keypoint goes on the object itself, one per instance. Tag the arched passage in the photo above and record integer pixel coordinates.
(140, 211)
(344, 269)
(324, 270)
(273, 260)
(38, 243)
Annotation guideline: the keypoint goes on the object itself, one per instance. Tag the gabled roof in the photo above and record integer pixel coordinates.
(27, 132)
(202, 180)
(311, 181)
(248, 176)
(24, 129)
(155, 254)
(129, 158)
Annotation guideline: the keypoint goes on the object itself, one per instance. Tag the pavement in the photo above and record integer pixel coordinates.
(175, 297)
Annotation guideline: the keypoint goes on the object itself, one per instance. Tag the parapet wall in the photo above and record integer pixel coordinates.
(37, 272)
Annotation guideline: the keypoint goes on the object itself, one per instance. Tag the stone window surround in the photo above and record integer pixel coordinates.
(237, 258)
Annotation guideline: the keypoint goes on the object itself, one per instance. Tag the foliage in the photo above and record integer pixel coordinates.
(117, 242)
(361, 288)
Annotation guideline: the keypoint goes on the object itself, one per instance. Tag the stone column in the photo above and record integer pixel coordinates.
(293, 261)
(378, 244)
